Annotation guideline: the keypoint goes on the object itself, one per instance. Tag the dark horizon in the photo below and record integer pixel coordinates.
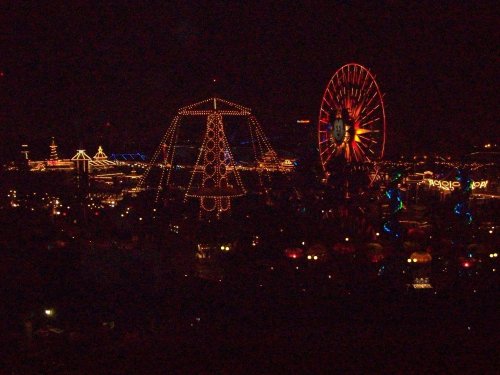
(69, 69)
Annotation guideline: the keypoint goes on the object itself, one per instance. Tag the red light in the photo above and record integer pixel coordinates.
(466, 264)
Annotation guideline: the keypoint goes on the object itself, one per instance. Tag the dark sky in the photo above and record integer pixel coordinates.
(70, 67)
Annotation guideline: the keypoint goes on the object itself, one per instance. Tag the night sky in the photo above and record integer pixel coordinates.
(69, 68)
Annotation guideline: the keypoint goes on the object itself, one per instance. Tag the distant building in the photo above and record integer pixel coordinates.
(101, 160)
(54, 163)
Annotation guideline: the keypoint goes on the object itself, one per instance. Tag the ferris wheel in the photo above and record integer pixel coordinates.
(351, 123)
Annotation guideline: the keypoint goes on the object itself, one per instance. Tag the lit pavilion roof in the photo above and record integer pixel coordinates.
(100, 155)
(81, 155)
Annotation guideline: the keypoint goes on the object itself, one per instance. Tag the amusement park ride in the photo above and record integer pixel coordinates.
(351, 137)
(351, 126)
(215, 177)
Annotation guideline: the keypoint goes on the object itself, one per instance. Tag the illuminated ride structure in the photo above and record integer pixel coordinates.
(215, 177)
(351, 127)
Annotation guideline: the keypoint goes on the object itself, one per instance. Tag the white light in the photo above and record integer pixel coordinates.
(303, 243)
(49, 312)
(377, 234)
(347, 239)
(315, 257)
(409, 260)
(309, 257)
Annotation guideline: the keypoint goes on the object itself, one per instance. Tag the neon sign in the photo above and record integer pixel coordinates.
(452, 185)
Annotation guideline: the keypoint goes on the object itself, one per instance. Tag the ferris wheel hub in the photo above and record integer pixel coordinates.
(341, 129)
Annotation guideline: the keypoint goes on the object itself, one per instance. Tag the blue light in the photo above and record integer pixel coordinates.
(386, 228)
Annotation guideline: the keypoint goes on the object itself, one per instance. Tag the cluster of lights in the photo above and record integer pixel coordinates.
(312, 257)
(224, 248)
(255, 240)
(493, 255)
(421, 283)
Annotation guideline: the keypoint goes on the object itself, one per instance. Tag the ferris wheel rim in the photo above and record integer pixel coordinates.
(331, 84)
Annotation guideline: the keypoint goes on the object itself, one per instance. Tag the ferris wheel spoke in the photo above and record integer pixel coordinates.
(335, 152)
(361, 91)
(366, 105)
(328, 147)
(332, 97)
(358, 152)
(364, 154)
(370, 122)
(367, 139)
(329, 104)
(366, 115)
(322, 109)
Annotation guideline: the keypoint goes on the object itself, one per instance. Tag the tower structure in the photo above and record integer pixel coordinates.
(215, 179)
(53, 150)
(26, 152)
